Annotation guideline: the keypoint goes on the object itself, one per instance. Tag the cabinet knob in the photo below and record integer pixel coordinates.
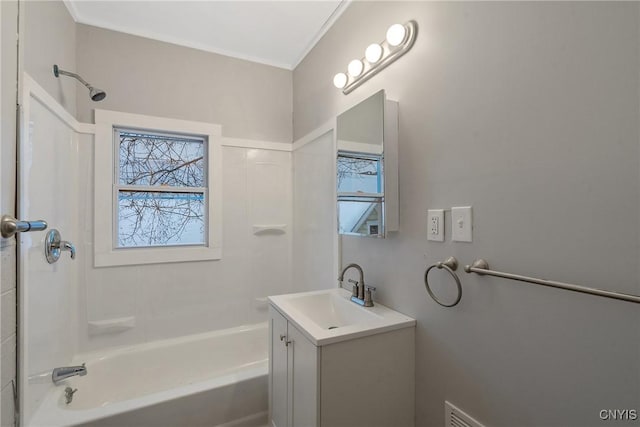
(286, 342)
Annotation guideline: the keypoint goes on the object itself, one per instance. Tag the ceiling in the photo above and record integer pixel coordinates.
(278, 33)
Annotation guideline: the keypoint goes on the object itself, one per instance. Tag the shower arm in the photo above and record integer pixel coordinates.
(95, 93)
(57, 71)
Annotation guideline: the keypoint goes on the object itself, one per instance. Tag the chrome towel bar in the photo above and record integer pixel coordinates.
(481, 267)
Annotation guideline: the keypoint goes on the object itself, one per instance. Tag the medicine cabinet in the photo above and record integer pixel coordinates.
(367, 168)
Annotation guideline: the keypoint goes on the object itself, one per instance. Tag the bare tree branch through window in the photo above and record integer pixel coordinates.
(359, 174)
(161, 196)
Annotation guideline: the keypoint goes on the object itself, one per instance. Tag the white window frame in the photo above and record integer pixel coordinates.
(106, 252)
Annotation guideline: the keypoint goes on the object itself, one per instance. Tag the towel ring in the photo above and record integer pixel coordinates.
(450, 264)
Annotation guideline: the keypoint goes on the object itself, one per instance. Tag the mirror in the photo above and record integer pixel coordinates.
(365, 186)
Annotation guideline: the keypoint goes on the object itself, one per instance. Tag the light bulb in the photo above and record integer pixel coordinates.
(340, 80)
(373, 53)
(355, 67)
(395, 34)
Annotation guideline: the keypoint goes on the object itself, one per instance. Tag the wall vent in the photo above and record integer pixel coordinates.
(454, 417)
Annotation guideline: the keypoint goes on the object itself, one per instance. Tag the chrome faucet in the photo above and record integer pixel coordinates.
(360, 293)
(64, 372)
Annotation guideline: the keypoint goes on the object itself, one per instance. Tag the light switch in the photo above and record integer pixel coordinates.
(461, 224)
(435, 225)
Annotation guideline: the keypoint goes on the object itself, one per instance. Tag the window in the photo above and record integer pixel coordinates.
(360, 193)
(157, 190)
(160, 189)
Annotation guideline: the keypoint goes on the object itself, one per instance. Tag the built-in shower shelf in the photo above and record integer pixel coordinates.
(260, 230)
(111, 326)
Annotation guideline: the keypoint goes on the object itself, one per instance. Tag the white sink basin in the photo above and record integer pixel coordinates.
(330, 310)
(329, 316)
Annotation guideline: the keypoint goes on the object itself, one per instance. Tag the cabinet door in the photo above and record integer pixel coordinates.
(278, 369)
(304, 370)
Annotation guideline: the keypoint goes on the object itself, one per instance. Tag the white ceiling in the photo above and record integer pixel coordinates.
(278, 33)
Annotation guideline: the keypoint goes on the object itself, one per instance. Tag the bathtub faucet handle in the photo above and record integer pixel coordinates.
(68, 394)
(68, 246)
(54, 245)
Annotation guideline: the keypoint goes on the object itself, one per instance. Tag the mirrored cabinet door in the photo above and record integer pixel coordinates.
(367, 168)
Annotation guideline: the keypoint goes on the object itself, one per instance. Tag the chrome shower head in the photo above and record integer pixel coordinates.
(94, 93)
(97, 94)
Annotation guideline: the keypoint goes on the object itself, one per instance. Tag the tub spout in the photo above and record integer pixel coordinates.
(64, 372)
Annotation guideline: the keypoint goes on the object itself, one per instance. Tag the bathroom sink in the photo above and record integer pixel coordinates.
(329, 310)
(329, 316)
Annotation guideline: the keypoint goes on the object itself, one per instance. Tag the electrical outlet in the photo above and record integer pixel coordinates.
(461, 224)
(435, 225)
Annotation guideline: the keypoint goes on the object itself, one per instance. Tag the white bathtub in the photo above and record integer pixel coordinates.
(217, 378)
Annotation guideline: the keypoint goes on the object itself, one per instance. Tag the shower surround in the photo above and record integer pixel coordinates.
(72, 308)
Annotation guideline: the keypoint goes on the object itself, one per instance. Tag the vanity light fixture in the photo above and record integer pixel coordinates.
(373, 53)
(340, 80)
(355, 68)
(395, 34)
(399, 39)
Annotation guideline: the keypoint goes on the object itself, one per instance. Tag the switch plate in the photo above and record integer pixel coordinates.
(461, 224)
(435, 225)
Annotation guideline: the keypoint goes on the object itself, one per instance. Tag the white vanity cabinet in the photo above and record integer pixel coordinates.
(293, 375)
(357, 381)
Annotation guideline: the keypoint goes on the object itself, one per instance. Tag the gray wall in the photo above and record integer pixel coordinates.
(9, 83)
(150, 77)
(530, 113)
(49, 37)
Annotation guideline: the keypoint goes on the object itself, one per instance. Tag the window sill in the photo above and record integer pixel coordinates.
(137, 256)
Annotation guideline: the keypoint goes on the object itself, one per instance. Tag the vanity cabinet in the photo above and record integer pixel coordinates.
(293, 380)
(365, 381)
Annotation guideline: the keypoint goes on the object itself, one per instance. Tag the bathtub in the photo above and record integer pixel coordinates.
(211, 379)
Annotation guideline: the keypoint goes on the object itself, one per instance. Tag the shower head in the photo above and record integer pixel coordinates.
(95, 93)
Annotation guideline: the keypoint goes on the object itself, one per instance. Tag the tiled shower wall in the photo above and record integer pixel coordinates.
(174, 299)
(313, 212)
(48, 292)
